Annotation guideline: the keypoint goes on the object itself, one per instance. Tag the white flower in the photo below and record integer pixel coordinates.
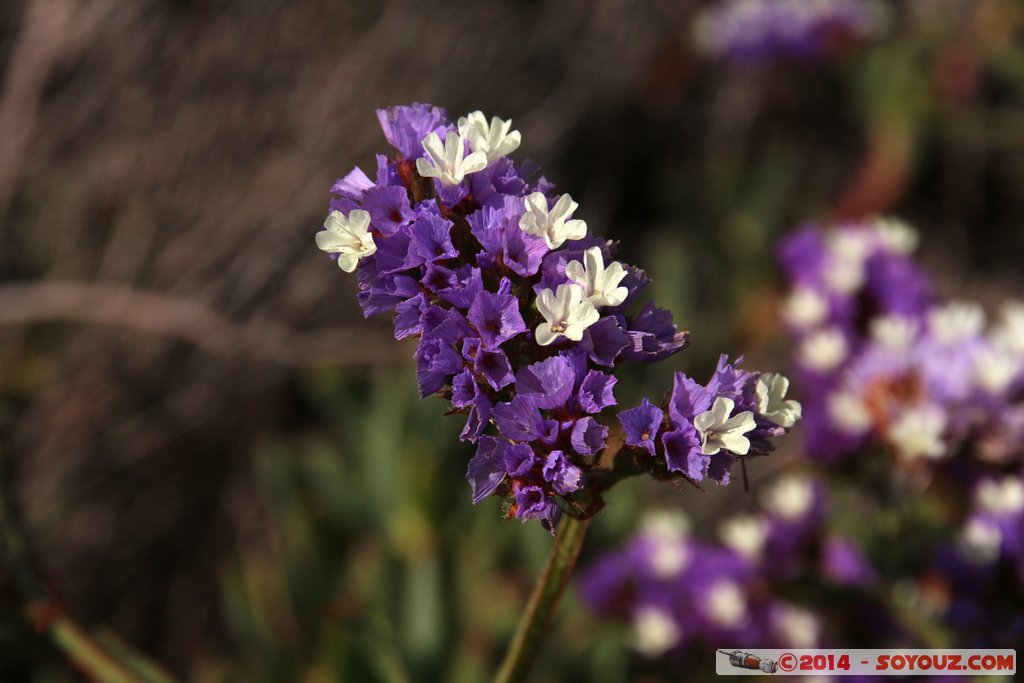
(823, 350)
(655, 631)
(600, 284)
(448, 162)
(771, 400)
(956, 322)
(726, 604)
(717, 430)
(668, 558)
(844, 277)
(850, 244)
(798, 628)
(746, 535)
(1001, 498)
(348, 237)
(848, 250)
(790, 498)
(893, 332)
(555, 225)
(849, 413)
(1010, 331)
(566, 313)
(667, 533)
(980, 541)
(804, 308)
(917, 432)
(495, 140)
(995, 368)
(896, 236)
(665, 524)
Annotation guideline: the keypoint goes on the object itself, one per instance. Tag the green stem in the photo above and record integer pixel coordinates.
(544, 600)
(89, 655)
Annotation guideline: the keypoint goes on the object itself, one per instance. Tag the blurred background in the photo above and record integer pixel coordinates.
(218, 459)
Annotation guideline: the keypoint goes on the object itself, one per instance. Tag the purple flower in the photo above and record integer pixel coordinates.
(588, 436)
(437, 278)
(531, 502)
(844, 564)
(683, 452)
(522, 252)
(392, 253)
(605, 340)
(353, 185)
(465, 389)
(430, 240)
(389, 208)
(596, 392)
(496, 317)
(487, 468)
(436, 361)
(654, 335)
(519, 459)
(760, 32)
(497, 230)
(476, 420)
(897, 285)
(563, 476)
(463, 292)
(408, 316)
(689, 399)
(547, 384)
(729, 380)
(495, 367)
(642, 424)
(719, 467)
(405, 127)
(519, 419)
(467, 394)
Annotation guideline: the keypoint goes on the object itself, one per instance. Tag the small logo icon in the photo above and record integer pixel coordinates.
(745, 660)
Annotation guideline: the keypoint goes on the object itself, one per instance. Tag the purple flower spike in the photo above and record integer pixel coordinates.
(522, 317)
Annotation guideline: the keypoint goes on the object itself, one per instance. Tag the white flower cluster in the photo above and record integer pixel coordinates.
(568, 310)
(349, 236)
(449, 162)
(572, 308)
(720, 430)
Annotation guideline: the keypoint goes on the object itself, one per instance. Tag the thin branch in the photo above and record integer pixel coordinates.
(176, 318)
